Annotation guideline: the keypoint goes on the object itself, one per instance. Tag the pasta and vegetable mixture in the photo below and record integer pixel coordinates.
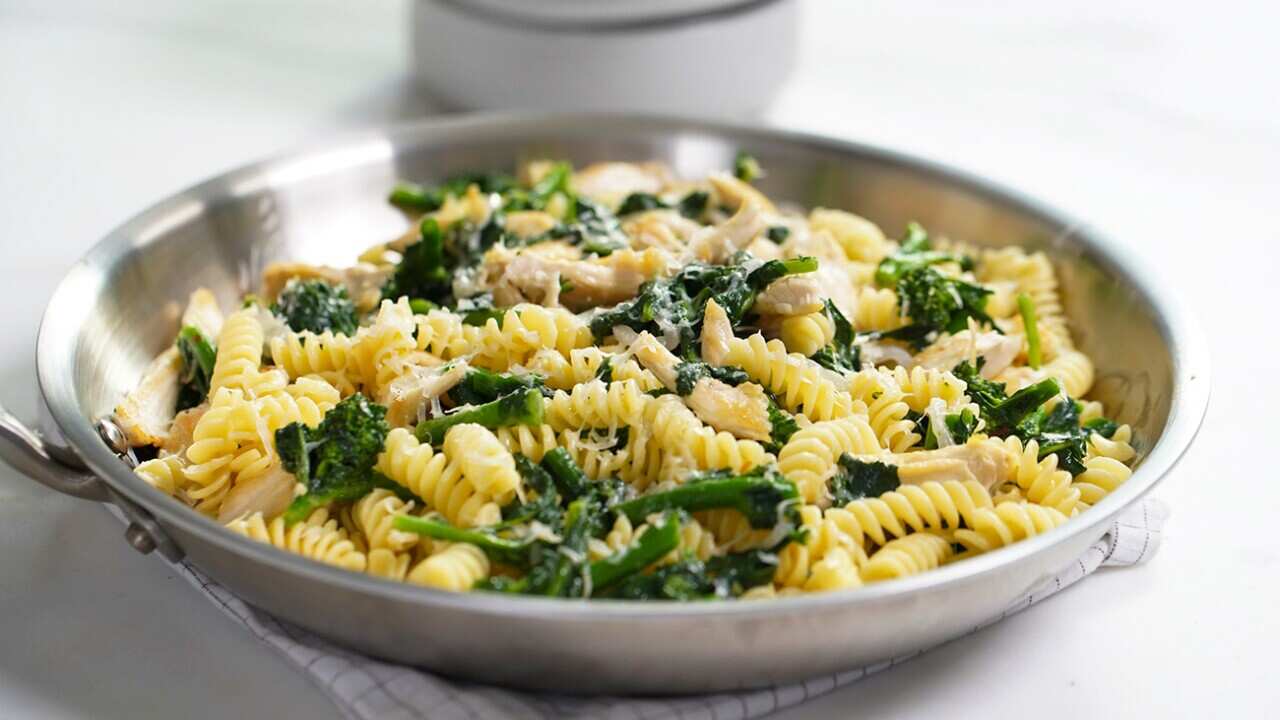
(614, 383)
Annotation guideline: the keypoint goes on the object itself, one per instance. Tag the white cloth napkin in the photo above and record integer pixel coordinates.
(366, 689)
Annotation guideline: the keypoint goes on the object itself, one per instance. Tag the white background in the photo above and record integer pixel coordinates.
(1156, 121)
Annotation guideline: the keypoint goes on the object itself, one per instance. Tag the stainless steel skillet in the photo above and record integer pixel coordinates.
(118, 307)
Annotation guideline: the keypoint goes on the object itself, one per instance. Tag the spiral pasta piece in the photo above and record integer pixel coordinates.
(800, 384)
(436, 479)
(597, 404)
(582, 365)
(1033, 275)
(910, 555)
(381, 351)
(809, 459)
(387, 564)
(860, 238)
(239, 355)
(317, 538)
(1102, 474)
(1008, 522)
(731, 530)
(835, 571)
(374, 515)
(524, 330)
(163, 474)
(876, 310)
(688, 444)
(930, 505)
(455, 568)
(486, 463)
(444, 335)
(920, 385)
(807, 334)
(1040, 480)
(307, 353)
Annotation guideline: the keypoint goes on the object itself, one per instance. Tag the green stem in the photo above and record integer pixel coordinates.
(652, 546)
(1027, 309)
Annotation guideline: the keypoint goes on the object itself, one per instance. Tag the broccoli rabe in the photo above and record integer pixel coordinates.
(746, 167)
(661, 538)
(506, 550)
(781, 426)
(692, 579)
(317, 306)
(856, 479)
(689, 373)
(680, 302)
(198, 357)
(935, 302)
(1057, 430)
(421, 198)
(523, 407)
(691, 206)
(1027, 309)
(335, 460)
(422, 272)
(762, 495)
(480, 386)
(960, 426)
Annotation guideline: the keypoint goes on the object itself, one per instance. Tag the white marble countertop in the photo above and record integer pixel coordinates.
(1158, 123)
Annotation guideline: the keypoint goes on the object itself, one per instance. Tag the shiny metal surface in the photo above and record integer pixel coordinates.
(119, 306)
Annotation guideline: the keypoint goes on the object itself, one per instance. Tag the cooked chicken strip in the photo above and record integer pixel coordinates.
(793, 295)
(717, 243)
(717, 331)
(742, 410)
(611, 182)
(734, 193)
(269, 493)
(363, 280)
(664, 229)
(146, 413)
(984, 460)
(592, 282)
(997, 351)
(203, 314)
(408, 395)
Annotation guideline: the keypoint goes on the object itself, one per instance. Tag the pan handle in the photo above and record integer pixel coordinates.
(59, 469)
(26, 451)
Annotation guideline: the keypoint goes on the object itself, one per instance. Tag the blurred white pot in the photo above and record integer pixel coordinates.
(718, 58)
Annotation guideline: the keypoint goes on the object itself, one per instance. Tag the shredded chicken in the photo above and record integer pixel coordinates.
(997, 351)
(269, 493)
(664, 229)
(742, 410)
(717, 331)
(611, 182)
(363, 280)
(793, 295)
(203, 314)
(832, 276)
(588, 283)
(181, 431)
(983, 460)
(411, 392)
(526, 224)
(734, 193)
(146, 413)
(715, 244)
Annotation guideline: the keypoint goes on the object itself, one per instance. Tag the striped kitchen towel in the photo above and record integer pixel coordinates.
(367, 689)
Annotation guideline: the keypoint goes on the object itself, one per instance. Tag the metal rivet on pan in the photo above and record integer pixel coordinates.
(139, 538)
(115, 439)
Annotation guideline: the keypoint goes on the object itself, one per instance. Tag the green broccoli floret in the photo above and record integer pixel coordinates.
(198, 357)
(640, 202)
(856, 479)
(746, 167)
(761, 495)
(335, 460)
(519, 408)
(934, 302)
(422, 272)
(317, 306)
